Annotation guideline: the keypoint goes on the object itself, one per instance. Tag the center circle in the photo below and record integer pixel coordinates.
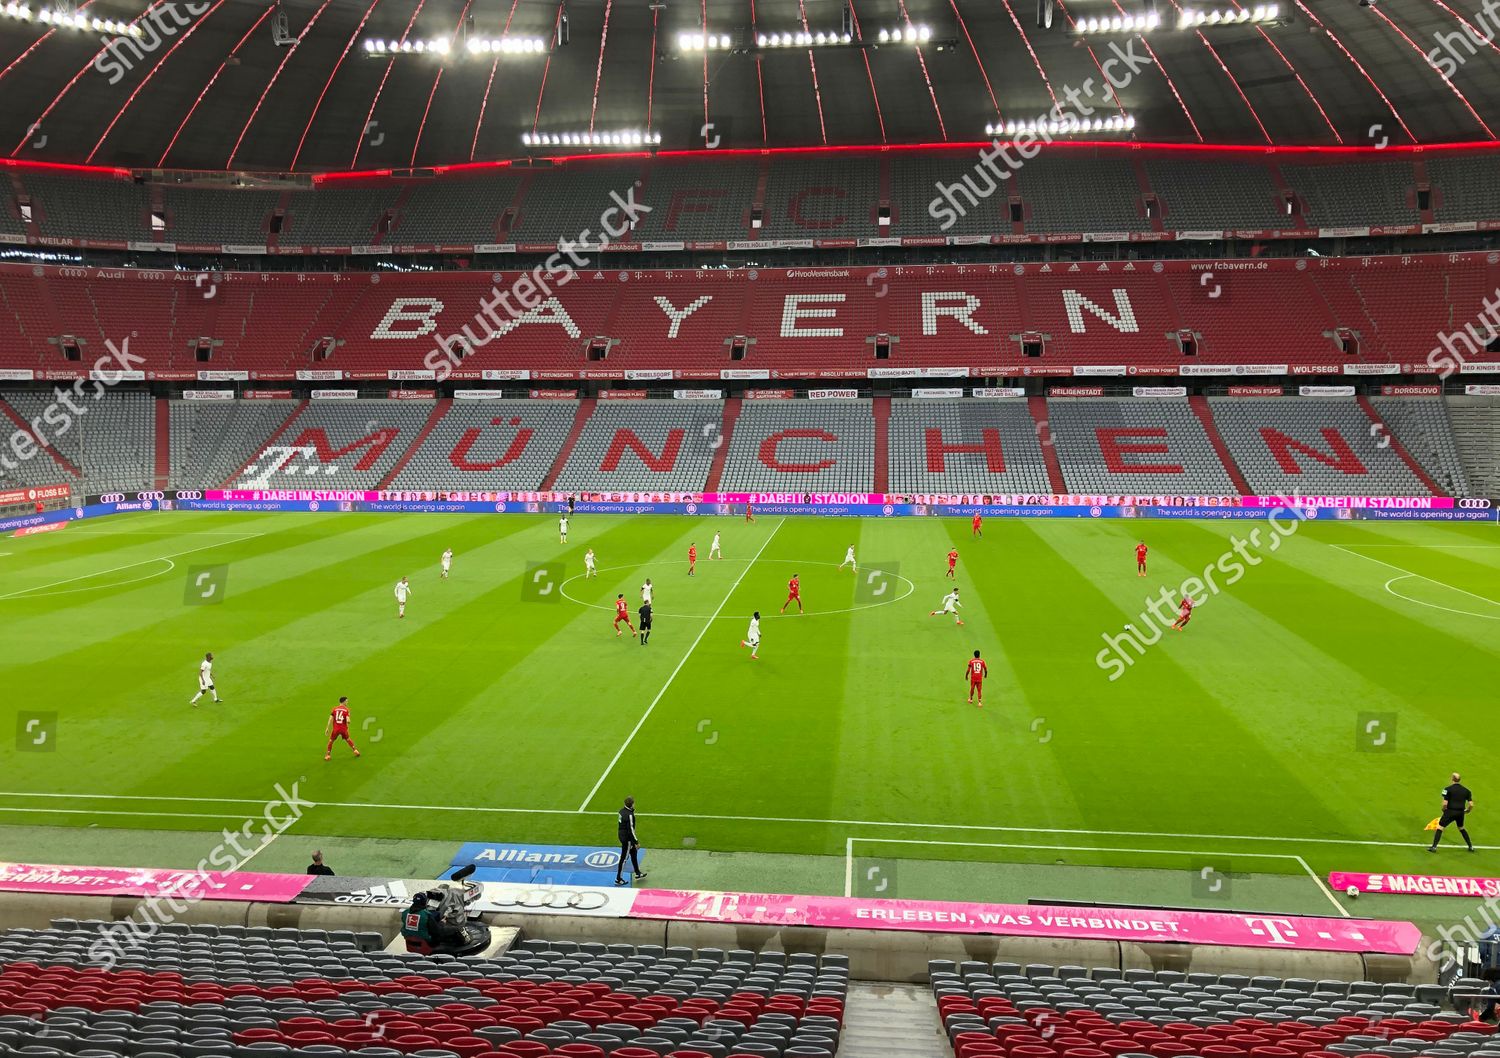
(609, 607)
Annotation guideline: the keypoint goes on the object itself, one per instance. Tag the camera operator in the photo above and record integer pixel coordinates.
(420, 923)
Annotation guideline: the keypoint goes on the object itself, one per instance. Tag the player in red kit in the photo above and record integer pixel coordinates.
(338, 728)
(749, 511)
(692, 559)
(1140, 559)
(1184, 615)
(622, 613)
(978, 522)
(952, 564)
(793, 593)
(976, 670)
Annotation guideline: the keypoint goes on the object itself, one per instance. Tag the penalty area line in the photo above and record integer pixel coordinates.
(662, 693)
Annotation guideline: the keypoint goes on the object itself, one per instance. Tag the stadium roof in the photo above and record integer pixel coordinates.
(217, 92)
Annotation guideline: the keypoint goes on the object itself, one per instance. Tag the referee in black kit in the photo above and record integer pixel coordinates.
(1457, 799)
(645, 622)
(630, 845)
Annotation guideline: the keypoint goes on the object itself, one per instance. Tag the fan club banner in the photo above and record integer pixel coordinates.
(139, 882)
(34, 493)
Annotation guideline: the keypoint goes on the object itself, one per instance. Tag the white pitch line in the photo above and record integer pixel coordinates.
(661, 693)
(116, 569)
(1321, 885)
(849, 866)
(1436, 606)
(1409, 573)
(965, 827)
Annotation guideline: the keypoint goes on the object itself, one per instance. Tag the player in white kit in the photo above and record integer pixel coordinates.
(588, 564)
(447, 562)
(713, 548)
(206, 680)
(403, 592)
(752, 637)
(950, 605)
(646, 590)
(849, 561)
(562, 529)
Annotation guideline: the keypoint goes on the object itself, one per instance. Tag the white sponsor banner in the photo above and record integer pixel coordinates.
(1159, 391)
(999, 391)
(1222, 370)
(698, 394)
(505, 376)
(223, 376)
(162, 247)
(654, 375)
(1106, 236)
(369, 250)
(833, 394)
(731, 374)
(1343, 233)
(1100, 371)
(1325, 391)
(1372, 369)
(937, 393)
(335, 394)
(112, 377)
(17, 374)
(478, 394)
(1481, 389)
(918, 372)
(320, 375)
(208, 394)
(663, 246)
(1468, 368)
(417, 375)
(495, 247)
(245, 249)
(1199, 236)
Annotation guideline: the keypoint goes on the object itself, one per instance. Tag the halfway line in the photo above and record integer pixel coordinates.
(661, 693)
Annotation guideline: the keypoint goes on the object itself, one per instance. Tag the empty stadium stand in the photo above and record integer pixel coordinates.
(1422, 426)
(1063, 192)
(792, 446)
(202, 991)
(1476, 427)
(1038, 1011)
(652, 446)
(487, 445)
(1145, 446)
(112, 443)
(964, 446)
(1312, 446)
(211, 441)
(339, 444)
(1259, 317)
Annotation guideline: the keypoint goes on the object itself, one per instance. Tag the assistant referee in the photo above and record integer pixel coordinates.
(630, 845)
(1457, 800)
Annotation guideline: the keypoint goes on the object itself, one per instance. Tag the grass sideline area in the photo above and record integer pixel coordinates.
(499, 711)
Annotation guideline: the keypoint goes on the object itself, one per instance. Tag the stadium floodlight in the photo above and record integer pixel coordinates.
(596, 138)
(1067, 125)
(1143, 22)
(58, 18)
(704, 41)
(443, 47)
(1190, 18)
(910, 33)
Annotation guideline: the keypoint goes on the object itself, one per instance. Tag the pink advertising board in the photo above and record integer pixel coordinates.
(149, 882)
(1414, 884)
(1033, 920)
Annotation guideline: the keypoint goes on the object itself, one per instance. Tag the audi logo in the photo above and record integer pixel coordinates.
(146, 496)
(182, 495)
(112, 497)
(554, 899)
(1474, 504)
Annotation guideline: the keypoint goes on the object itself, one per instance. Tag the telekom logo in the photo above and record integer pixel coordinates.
(1276, 930)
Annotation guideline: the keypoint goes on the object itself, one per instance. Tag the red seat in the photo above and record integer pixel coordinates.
(1168, 1050)
(472, 1046)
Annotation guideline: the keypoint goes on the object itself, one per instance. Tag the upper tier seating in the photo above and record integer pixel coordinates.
(572, 201)
(110, 210)
(1464, 186)
(336, 216)
(1067, 1010)
(1309, 446)
(1135, 446)
(1213, 195)
(211, 440)
(1355, 194)
(457, 213)
(816, 446)
(1070, 193)
(490, 446)
(341, 445)
(207, 991)
(708, 201)
(822, 197)
(1004, 454)
(635, 445)
(214, 216)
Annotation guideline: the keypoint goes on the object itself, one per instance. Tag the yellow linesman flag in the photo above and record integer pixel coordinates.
(1433, 825)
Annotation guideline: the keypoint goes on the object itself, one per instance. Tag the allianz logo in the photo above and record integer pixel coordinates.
(599, 859)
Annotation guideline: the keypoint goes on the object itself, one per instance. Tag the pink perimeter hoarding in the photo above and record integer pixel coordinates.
(144, 882)
(1414, 884)
(1017, 920)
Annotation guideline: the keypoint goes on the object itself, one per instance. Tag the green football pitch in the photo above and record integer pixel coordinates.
(1304, 721)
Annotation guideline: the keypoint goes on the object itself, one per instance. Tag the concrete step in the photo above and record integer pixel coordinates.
(892, 1021)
